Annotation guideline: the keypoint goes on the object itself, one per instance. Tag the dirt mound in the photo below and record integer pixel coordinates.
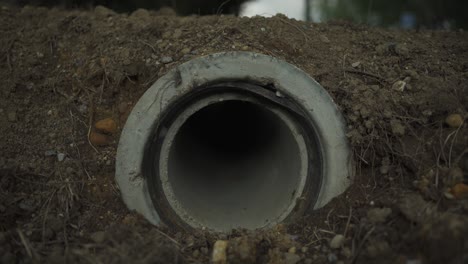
(403, 93)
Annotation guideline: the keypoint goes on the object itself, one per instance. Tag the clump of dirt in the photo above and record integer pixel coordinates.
(403, 93)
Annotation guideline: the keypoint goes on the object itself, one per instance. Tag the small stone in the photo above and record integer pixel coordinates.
(324, 39)
(107, 125)
(460, 191)
(98, 237)
(416, 209)
(102, 11)
(397, 128)
(83, 109)
(60, 157)
(399, 86)
(219, 252)
(401, 49)
(304, 249)
(140, 13)
(50, 153)
(262, 29)
(292, 250)
(98, 139)
(166, 59)
(454, 120)
(290, 258)
(356, 64)
(12, 116)
(185, 51)
(347, 252)
(385, 165)
(337, 241)
(378, 215)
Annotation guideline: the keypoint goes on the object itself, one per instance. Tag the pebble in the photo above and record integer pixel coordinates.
(98, 139)
(378, 215)
(83, 109)
(166, 59)
(460, 191)
(50, 153)
(397, 128)
(141, 13)
(185, 51)
(337, 241)
(12, 116)
(292, 250)
(290, 258)
(347, 252)
(219, 252)
(98, 237)
(106, 125)
(324, 39)
(304, 249)
(454, 120)
(103, 11)
(356, 64)
(399, 86)
(60, 156)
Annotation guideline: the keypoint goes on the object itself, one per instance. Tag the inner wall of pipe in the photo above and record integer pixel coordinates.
(235, 163)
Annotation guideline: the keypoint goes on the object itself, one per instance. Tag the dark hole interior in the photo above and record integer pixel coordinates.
(234, 163)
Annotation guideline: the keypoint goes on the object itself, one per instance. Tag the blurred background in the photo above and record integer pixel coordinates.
(406, 14)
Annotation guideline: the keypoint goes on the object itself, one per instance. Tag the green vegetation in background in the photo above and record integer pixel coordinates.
(427, 13)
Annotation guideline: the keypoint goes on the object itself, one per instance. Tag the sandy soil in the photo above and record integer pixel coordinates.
(404, 95)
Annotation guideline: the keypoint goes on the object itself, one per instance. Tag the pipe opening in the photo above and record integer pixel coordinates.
(233, 163)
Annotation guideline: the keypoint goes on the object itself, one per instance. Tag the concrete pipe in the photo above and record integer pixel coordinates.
(232, 140)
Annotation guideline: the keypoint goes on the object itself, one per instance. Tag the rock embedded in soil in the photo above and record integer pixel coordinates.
(102, 11)
(460, 191)
(399, 86)
(60, 156)
(291, 258)
(106, 125)
(416, 209)
(219, 252)
(337, 241)
(454, 120)
(166, 59)
(398, 129)
(98, 139)
(378, 215)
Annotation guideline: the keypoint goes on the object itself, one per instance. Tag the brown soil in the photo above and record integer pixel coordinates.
(61, 71)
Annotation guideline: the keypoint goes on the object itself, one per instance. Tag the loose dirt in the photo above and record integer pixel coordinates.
(404, 95)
